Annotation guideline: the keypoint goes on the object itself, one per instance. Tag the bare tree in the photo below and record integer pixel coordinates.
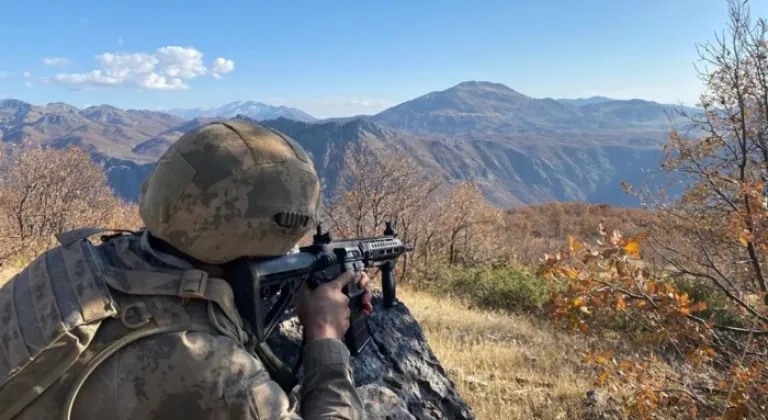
(379, 184)
(722, 213)
(44, 191)
(472, 224)
(450, 224)
(716, 234)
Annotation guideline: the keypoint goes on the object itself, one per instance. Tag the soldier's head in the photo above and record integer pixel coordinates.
(231, 189)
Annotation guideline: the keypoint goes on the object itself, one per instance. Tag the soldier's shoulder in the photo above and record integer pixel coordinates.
(200, 372)
(193, 358)
(208, 347)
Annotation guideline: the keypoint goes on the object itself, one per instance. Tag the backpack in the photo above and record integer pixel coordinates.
(52, 310)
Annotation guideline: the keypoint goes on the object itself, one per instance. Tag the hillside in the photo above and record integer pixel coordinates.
(521, 150)
(512, 170)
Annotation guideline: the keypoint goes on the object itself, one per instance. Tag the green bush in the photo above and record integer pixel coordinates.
(507, 288)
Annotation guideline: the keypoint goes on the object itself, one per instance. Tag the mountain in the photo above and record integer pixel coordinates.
(344, 119)
(511, 171)
(480, 108)
(154, 147)
(251, 109)
(521, 150)
(476, 107)
(102, 129)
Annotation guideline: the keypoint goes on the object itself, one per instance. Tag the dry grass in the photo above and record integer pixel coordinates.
(6, 274)
(505, 366)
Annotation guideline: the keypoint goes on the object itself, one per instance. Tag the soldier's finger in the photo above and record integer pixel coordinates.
(367, 301)
(367, 308)
(343, 280)
(364, 280)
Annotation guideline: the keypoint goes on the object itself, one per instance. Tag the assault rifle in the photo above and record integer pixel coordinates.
(267, 286)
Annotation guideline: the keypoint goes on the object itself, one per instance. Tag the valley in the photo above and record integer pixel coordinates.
(521, 150)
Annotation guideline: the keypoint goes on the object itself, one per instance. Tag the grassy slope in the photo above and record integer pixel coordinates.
(6, 274)
(505, 366)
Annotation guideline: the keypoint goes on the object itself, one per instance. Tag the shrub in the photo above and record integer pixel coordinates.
(720, 308)
(506, 288)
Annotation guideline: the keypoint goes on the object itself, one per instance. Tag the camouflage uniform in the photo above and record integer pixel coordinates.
(122, 330)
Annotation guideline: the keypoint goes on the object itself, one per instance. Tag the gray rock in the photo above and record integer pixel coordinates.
(397, 374)
(593, 397)
(383, 403)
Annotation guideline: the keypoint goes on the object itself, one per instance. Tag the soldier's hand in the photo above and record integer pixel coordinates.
(324, 312)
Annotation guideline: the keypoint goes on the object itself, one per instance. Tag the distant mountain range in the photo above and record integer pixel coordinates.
(483, 107)
(100, 129)
(256, 110)
(586, 101)
(521, 150)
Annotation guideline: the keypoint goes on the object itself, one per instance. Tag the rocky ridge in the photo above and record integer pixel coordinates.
(397, 375)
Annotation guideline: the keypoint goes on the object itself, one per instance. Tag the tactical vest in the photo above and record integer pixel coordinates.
(53, 314)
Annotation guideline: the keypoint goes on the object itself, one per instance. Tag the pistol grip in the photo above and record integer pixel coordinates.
(356, 337)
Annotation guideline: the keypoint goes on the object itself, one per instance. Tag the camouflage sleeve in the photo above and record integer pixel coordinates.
(328, 387)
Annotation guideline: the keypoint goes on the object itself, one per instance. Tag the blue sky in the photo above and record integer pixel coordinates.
(334, 58)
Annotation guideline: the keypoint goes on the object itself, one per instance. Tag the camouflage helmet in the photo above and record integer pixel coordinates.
(230, 189)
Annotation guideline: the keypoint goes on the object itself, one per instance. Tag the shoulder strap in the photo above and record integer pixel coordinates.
(190, 284)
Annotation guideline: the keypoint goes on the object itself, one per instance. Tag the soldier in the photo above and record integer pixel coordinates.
(145, 325)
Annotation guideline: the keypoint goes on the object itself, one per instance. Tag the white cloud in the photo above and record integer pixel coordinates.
(168, 68)
(55, 61)
(27, 84)
(27, 74)
(185, 63)
(120, 41)
(221, 66)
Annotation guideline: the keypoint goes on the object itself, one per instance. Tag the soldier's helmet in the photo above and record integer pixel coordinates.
(230, 189)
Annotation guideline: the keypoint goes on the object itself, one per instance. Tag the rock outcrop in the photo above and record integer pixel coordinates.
(397, 374)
